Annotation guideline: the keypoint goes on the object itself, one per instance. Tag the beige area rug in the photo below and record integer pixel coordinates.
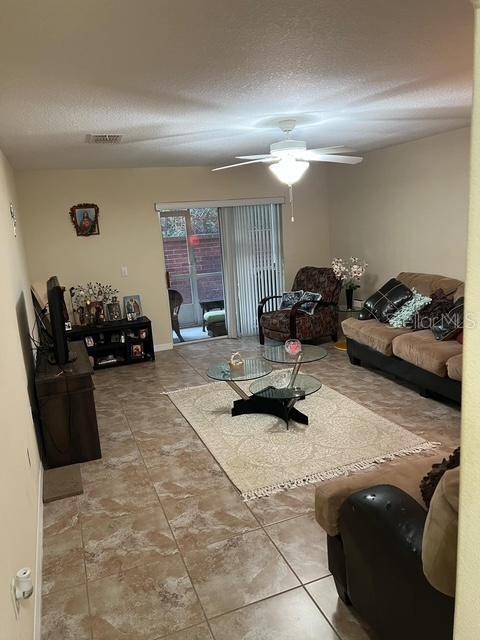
(261, 457)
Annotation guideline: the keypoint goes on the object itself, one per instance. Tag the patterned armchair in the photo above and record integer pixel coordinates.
(294, 323)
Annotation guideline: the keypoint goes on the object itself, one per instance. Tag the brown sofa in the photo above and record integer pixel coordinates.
(390, 560)
(433, 366)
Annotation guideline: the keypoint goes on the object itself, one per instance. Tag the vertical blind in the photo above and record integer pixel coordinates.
(256, 258)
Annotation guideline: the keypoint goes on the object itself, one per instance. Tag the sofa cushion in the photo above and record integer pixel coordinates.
(404, 473)
(386, 301)
(421, 349)
(459, 293)
(430, 482)
(455, 367)
(289, 298)
(310, 300)
(372, 333)
(217, 315)
(427, 283)
(440, 305)
(450, 324)
(404, 316)
(439, 545)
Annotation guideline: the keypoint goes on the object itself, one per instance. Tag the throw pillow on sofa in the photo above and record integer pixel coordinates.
(289, 298)
(386, 301)
(450, 324)
(404, 316)
(309, 301)
(430, 481)
(429, 315)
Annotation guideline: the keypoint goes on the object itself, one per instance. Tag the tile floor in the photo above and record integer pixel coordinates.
(160, 545)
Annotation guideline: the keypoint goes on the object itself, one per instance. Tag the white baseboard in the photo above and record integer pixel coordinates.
(37, 615)
(163, 347)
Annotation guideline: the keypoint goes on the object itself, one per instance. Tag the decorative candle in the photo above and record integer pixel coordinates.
(293, 347)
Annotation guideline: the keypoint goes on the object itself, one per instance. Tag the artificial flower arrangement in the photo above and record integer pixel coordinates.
(349, 272)
(88, 301)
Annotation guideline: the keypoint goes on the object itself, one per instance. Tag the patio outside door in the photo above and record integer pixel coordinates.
(193, 259)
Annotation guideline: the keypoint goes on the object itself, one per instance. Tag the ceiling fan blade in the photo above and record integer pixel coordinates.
(329, 150)
(334, 158)
(240, 164)
(262, 156)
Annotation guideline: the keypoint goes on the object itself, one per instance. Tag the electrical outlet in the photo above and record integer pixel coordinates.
(124, 271)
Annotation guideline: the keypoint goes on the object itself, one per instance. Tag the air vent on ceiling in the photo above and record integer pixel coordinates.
(104, 138)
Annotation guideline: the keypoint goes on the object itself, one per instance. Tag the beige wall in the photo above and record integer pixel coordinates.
(129, 228)
(467, 615)
(404, 208)
(19, 478)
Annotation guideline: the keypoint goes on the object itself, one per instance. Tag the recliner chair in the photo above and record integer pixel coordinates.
(282, 324)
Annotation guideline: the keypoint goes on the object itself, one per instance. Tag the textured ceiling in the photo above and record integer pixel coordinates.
(192, 82)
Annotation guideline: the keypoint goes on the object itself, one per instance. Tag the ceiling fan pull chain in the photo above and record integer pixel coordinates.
(290, 193)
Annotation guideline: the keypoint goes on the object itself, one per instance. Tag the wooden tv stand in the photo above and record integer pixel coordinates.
(66, 406)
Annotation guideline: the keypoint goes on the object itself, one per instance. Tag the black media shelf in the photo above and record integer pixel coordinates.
(117, 343)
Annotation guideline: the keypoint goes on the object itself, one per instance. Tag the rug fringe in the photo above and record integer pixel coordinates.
(344, 470)
(195, 386)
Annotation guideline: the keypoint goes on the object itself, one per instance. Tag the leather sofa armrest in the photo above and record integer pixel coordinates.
(404, 473)
(381, 530)
(389, 518)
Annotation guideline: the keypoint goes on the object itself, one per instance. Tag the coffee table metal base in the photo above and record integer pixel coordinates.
(283, 409)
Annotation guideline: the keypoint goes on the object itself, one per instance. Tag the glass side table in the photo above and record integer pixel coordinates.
(341, 345)
(252, 368)
(310, 353)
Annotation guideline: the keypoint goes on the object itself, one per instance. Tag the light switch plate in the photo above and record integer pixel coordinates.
(124, 272)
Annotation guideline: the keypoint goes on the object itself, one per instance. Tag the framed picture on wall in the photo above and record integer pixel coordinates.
(84, 218)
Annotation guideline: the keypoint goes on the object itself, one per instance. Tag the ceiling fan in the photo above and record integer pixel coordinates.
(289, 159)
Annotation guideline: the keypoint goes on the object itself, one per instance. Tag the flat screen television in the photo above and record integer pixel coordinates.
(51, 321)
(44, 330)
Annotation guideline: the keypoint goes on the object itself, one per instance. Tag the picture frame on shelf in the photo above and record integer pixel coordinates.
(132, 306)
(89, 342)
(136, 351)
(143, 334)
(114, 311)
(96, 312)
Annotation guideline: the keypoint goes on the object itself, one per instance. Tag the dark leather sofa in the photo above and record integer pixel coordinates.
(376, 563)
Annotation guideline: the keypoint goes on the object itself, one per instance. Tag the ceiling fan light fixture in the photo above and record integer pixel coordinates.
(288, 170)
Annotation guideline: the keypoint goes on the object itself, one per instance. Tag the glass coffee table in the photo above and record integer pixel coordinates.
(278, 393)
(252, 368)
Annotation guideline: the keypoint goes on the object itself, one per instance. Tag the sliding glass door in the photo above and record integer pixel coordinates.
(193, 261)
(222, 258)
